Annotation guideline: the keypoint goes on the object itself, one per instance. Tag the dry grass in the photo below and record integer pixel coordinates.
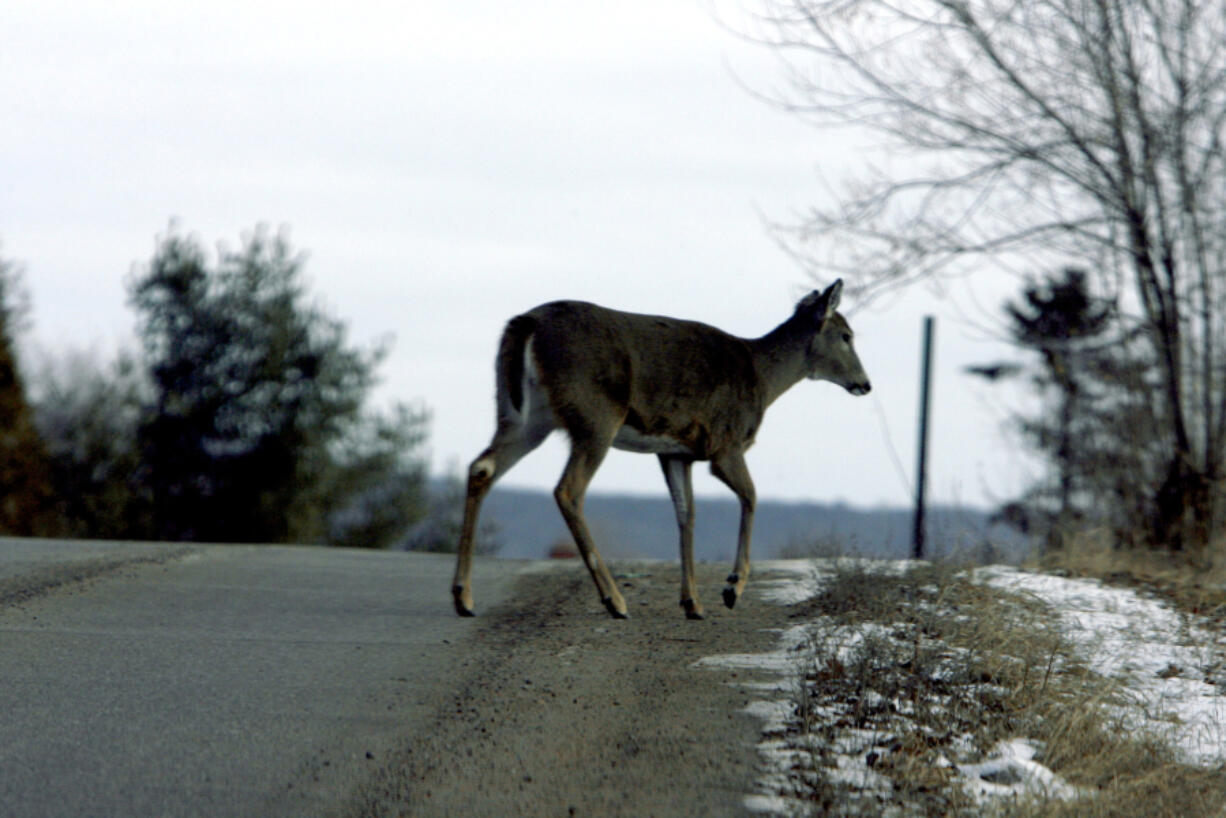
(914, 672)
(1195, 582)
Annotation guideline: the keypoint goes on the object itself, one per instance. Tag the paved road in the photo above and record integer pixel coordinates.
(152, 680)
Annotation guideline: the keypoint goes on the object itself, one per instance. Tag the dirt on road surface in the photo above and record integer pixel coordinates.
(560, 710)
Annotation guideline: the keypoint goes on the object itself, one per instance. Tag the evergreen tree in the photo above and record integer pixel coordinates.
(25, 489)
(257, 410)
(1055, 319)
(88, 415)
(1078, 429)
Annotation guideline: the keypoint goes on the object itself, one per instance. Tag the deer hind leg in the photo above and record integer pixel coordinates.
(681, 488)
(511, 442)
(587, 452)
(733, 472)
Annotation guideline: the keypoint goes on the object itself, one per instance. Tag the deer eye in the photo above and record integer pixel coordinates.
(847, 337)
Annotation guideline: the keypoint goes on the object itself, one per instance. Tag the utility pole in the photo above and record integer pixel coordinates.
(921, 469)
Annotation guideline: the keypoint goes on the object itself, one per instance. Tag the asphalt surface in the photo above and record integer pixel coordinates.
(155, 680)
(160, 680)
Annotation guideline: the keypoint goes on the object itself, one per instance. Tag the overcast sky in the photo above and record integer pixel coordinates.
(448, 165)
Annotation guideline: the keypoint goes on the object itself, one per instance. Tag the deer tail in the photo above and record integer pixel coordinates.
(510, 363)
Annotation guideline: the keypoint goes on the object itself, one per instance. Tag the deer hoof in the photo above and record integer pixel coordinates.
(463, 599)
(730, 596)
(692, 609)
(616, 607)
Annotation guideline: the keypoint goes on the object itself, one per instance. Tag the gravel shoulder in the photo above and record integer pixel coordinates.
(560, 710)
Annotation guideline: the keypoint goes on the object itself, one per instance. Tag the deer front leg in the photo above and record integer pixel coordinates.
(740, 569)
(680, 487)
(733, 472)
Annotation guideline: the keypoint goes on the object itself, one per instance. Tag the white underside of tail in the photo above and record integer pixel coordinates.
(535, 411)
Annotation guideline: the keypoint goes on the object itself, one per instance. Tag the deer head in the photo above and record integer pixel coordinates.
(831, 355)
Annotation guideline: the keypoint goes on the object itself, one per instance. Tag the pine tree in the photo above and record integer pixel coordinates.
(25, 489)
(1063, 324)
(257, 430)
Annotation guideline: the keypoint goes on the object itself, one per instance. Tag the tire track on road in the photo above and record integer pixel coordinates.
(40, 580)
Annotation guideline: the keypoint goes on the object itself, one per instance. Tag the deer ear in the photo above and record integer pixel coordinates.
(823, 303)
(832, 295)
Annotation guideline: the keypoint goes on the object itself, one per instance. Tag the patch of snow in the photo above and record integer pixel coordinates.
(769, 804)
(785, 659)
(800, 580)
(774, 714)
(1011, 771)
(1161, 659)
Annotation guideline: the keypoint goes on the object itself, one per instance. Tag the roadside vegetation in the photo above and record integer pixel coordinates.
(925, 690)
(244, 416)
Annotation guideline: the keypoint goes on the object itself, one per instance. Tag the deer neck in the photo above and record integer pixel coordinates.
(780, 357)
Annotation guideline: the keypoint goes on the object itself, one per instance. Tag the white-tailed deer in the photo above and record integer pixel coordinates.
(681, 390)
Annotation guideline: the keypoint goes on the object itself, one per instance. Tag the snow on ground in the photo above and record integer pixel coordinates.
(1165, 665)
(1011, 770)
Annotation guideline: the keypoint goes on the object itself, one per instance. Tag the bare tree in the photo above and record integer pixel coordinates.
(1085, 132)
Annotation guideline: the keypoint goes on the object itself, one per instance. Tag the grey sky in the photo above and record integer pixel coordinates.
(447, 165)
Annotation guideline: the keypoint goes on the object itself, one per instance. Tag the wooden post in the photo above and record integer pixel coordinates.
(921, 469)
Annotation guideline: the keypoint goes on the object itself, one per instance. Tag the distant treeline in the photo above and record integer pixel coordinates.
(242, 417)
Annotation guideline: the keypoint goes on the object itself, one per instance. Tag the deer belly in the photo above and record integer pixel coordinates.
(629, 439)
